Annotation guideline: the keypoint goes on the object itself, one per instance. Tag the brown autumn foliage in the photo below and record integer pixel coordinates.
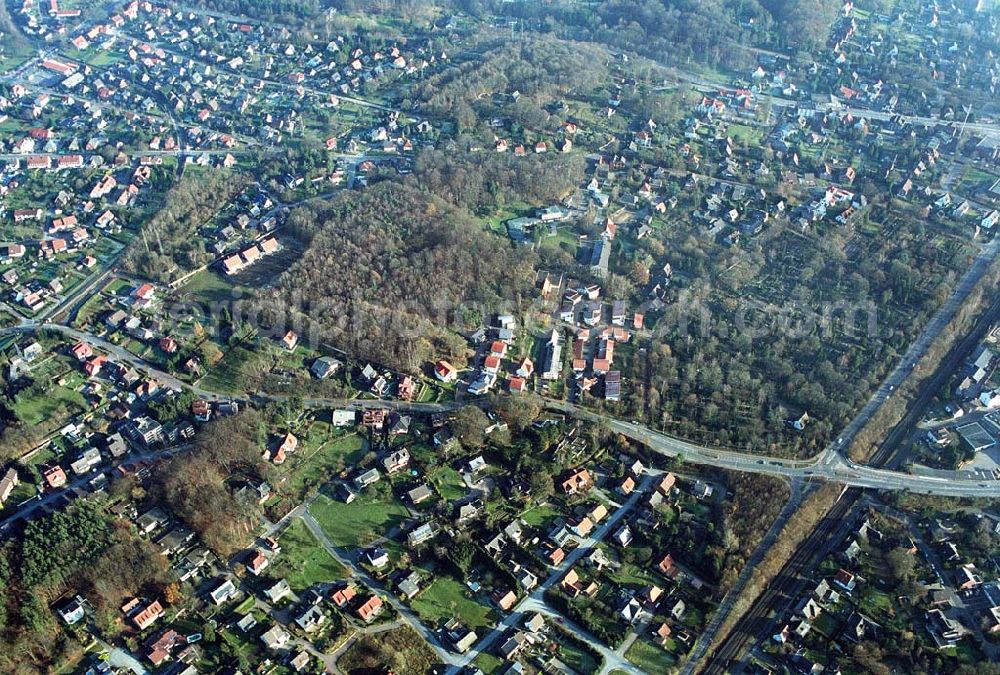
(755, 503)
(390, 273)
(202, 487)
(168, 246)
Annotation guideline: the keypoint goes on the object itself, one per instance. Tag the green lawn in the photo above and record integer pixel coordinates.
(32, 471)
(207, 285)
(448, 483)
(228, 374)
(302, 561)
(650, 657)
(973, 178)
(447, 598)
(566, 239)
(102, 58)
(752, 135)
(57, 405)
(426, 393)
(488, 663)
(875, 602)
(633, 575)
(579, 660)
(358, 523)
(540, 516)
(245, 606)
(826, 624)
(311, 467)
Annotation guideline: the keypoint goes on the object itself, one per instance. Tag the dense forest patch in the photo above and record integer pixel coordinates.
(390, 269)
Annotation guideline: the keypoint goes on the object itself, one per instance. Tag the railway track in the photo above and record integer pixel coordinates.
(789, 582)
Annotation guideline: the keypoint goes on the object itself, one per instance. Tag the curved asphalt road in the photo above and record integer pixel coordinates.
(829, 465)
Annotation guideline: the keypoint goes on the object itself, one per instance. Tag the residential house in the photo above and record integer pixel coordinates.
(72, 611)
(419, 494)
(421, 534)
(7, 484)
(460, 637)
(553, 357)
(343, 418)
(513, 645)
(223, 592)
(445, 372)
(275, 637)
(579, 480)
(396, 461)
(366, 478)
(409, 586)
(54, 476)
(377, 557)
(257, 563)
(505, 601)
(324, 367)
(147, 616)
(370, 609)
(846, 580)
(311, 618)
(278, 591)
(406, 389)
(623, 535)
(342, 597)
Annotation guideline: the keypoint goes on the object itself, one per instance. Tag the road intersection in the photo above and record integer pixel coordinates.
(829, 465)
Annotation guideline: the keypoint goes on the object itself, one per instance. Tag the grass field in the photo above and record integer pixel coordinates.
(488, 663)
(447, 598)
(358, 523)
(752, 135)
(633, 575)
(102, 58)
(540, 516)
(565, 239)
(55, 406)
(875, 602)
(447, 482)
(973, 178)
(576, 658)
(228, 373)
(207, 286)
(303, 562)
(400, 649)
(312, 468)
(650, 657)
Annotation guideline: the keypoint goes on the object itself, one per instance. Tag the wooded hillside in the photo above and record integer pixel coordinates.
(484, 182)
(389, 268)
(537, 67)
(168, 247)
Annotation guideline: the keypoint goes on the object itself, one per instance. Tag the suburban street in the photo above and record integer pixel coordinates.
(712, 84)
(829, 465)
(28, 509)
(378, 587)
(535, 601)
